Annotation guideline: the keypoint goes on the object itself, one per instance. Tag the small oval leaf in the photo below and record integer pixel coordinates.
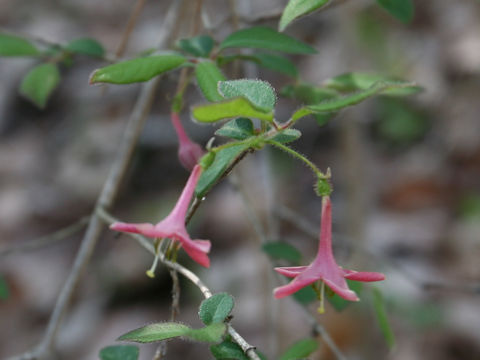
(223, 160)
(298, 8)
(260, 37)
(39, 83)
(228, 109)
(286, 136)
(300, 350)
(228, 350)
(200, 46)
(259, 93)
(282, 250)
(403, 10)
(86, 46)
(11, 45)
(136, 70)
(208, 75)
(119, 352)
(362, 81)
(216, 308)
(277, 63)
(163, 331)
(238, 129)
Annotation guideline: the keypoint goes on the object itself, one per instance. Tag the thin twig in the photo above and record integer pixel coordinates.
(132, 20)
(248, 349)
(45, 240)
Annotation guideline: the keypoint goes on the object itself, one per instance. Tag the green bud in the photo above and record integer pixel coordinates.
(207, 160)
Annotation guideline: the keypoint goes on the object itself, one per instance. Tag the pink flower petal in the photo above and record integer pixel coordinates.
(292, 287)
(291, 271)
(342, 291)
(145, 229)
(363, 276)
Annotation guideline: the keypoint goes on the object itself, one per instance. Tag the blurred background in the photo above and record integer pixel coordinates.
(405, 172)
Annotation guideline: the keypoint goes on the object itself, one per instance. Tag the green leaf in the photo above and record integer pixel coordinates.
(298, 8)
(276, 63)
(259, 93)
(301, 349)
(286, 136)
(136, 70)
(403, 10)
(208, 75)
(4, 289)
(239, 107)
(200, 46)
(86, 46)
(305, 296)
(238, 129)
(340, 304)
(260, 37)
(361, 81)
(282, 250)
(341, 102)
(228, 350)
(39, 83)
(119, 352)
(11, 45)
(382, 318)
(216, 308)
(162, 331)
(223, 160)
(398, 123)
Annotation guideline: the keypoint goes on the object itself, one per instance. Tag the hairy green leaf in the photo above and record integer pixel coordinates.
(39, 83)
(208, 75)
(403, 10)
(228, 350)
(119, 352)
(259, 93)
(298, 8)
(216, 308)
(238, 129)
(11, 45)
(282, 251)
(286, 136)
(362, 81)
(136, 70)
(300, 350)
(265, 38)
(382, 318)
(238, 107)
(341, 102)
(86, 46)
(223, 160)
(200, 46)
(162, 331)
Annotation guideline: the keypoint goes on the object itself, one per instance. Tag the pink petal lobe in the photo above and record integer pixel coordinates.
(145, 229)
(342, 290)
(291, 271)
(292, 287)
(363, 276)
(196, 252)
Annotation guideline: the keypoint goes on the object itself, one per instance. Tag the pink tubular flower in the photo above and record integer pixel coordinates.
(188, 152)
(324, 267)
(173, 226)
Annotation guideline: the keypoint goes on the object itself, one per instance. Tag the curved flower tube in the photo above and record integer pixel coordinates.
(173, 226)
